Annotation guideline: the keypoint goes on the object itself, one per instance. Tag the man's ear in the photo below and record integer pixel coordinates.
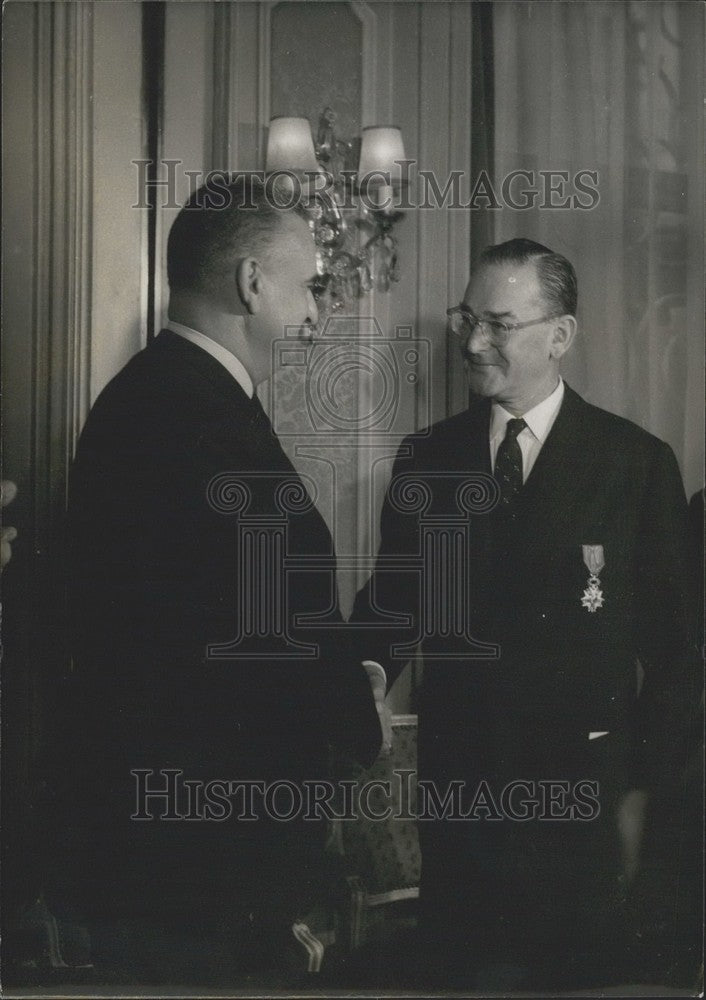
(248, 278)
(563, 336)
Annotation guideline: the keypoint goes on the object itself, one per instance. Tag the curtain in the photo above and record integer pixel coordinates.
(613, 87)
(482, 121)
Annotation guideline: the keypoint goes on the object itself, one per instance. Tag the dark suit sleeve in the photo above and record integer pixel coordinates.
(670, 690)
(331, 694)
(347, 703)
(391, 591)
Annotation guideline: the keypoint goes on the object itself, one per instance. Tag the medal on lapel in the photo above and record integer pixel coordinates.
(594, 562)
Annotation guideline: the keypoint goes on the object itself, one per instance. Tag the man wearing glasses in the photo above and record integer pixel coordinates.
(566, 707)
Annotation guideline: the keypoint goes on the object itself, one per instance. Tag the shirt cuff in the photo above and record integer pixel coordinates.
(374, 669)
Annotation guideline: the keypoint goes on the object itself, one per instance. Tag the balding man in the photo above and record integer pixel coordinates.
(192, 649)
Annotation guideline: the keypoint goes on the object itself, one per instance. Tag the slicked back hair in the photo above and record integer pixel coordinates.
(227, 218)
(557, 278)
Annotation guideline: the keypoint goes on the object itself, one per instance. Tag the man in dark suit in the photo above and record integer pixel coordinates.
(537, 632)
(194, 645)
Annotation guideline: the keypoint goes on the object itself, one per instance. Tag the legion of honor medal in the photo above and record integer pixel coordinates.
(593, 595)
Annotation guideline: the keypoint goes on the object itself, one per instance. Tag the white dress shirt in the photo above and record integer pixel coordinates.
(217, 351)
(540, 420)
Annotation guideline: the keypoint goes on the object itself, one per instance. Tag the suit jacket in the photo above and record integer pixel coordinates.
(560, 672)
(161, 570)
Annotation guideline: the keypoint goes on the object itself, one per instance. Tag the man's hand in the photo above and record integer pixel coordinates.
(378, 684)
(630, 817)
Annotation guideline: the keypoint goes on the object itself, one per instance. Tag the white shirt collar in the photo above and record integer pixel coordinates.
(217, 351)
(539, 419)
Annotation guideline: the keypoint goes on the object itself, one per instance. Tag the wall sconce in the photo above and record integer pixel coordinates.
(352, 259)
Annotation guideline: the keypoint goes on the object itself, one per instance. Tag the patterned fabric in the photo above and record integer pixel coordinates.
(508, 462)
(385, 853)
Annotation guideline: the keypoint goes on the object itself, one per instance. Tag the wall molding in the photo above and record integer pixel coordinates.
(63, 214)
(225, 96)
(369, 20)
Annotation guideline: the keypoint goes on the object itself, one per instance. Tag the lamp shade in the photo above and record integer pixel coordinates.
(380, 148)
(290, 146)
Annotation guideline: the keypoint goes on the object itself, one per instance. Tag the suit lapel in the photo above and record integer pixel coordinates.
(467, 448)
(479, 436)
(564, 475)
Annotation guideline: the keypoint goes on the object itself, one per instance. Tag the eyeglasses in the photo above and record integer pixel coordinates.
(463, 323)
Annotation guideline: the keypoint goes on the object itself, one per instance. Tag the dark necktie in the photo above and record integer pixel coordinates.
(508, 462)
